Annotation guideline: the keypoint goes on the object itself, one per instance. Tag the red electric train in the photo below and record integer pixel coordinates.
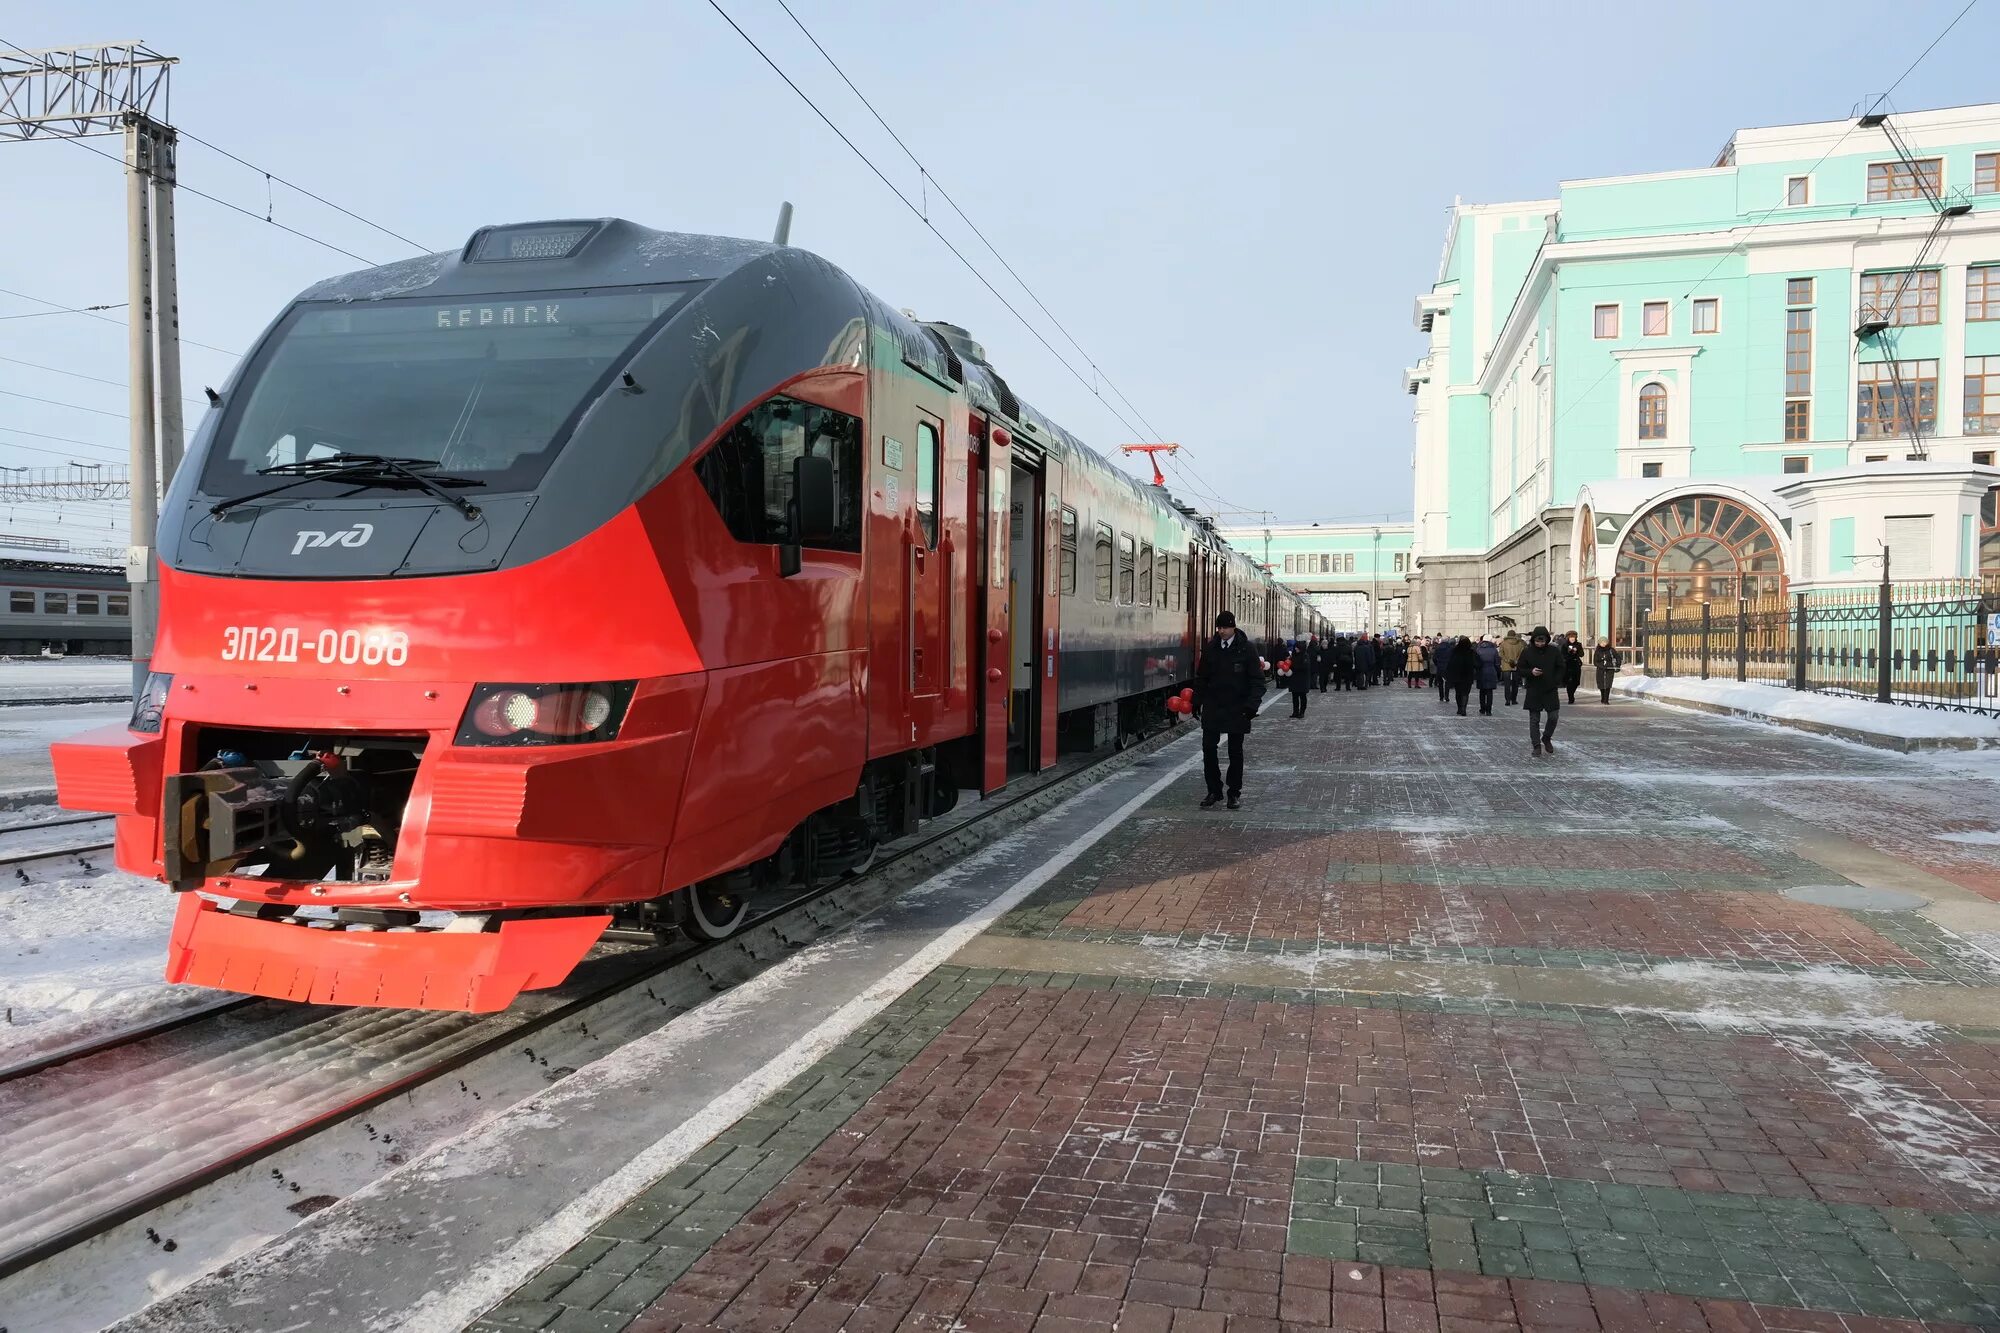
(595, 574)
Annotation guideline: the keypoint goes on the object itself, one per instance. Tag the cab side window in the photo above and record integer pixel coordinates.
(748, 474)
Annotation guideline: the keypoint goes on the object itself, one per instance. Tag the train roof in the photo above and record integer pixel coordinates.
(613, 252)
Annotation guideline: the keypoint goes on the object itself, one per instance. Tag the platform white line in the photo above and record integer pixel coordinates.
(496, 1279)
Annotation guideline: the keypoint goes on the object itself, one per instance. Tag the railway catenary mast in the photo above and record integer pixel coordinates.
(591, 573)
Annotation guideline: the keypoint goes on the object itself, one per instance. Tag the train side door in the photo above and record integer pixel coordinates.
(1051, 665)
(924, 586)
(996, 650)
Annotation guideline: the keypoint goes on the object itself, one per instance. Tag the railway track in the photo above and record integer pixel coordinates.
(36, 843)
(257, 1079)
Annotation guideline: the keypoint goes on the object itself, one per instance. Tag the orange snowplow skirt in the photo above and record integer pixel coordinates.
(391, 970)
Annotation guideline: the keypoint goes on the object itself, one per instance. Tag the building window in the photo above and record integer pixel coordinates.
(1146, 575)
(1127, 575)
(118, 604)
(1986, 173)
(1798, 291)
(1908, 537)
(1650, 469)
(1402, 562)
(1798, 191)
(1653, 412)
(1982, 458)
(1605, 324)
(1982, 395)
(1068, 551)
(21, 602)
(1478, 601)
(1908, 297)
(1982, 292)
(1326, 564)
(1653, 319)
(1893, 397)
(1807, 554)
(748, 474)
(1347, 563)
(1797, 463)
(1102, 561)
(86, 603)
(1876, 458)
(1798, 420)
(1707, 314)
(1920, 179)
(55, 603)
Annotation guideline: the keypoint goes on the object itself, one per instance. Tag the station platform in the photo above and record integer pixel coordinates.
(1692, 1026)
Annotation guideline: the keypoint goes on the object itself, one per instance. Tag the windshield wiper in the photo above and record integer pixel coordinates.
(366, 469)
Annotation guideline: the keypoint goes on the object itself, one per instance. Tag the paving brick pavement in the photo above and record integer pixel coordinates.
(1030, 1147)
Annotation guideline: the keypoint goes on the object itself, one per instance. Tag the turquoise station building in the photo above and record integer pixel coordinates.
(1629, 387)
(1357, 573)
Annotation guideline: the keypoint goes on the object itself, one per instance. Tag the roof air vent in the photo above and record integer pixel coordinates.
(958, 340)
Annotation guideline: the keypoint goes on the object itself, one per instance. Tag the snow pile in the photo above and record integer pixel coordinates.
(1894, 725)
(80, 959)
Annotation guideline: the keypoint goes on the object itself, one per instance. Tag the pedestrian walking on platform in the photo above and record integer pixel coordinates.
(1228, 683)
(1441, 656)
(1304, 671)
(1489, 673)
(1413, 665)
(1607, 662)
(1343, 663)
(1463, 670)
(1542, 668)
(1364, 661)
(1325, 666)
(1572, 650)
(1511, 645)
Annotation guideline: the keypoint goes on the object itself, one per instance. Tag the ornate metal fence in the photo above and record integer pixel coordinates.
(1932, 644)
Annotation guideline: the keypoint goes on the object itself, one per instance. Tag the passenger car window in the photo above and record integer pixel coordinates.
(927, 482)
(1068, 551)
(1103, 558)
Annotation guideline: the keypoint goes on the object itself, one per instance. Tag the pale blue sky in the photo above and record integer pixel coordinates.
(1231, 206)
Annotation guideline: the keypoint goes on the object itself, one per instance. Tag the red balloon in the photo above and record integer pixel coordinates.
(1177, 705)
(1188, 693)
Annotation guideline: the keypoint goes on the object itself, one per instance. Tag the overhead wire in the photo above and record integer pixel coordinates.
(85, 311)
(79, 375)
(945, 195)
(73, 310)
(920, 214)
(1738, 243)
(268, 175)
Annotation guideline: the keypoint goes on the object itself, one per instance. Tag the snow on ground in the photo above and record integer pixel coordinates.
(82, 958)
(1778, 704)
(63, 677)
(25, 734)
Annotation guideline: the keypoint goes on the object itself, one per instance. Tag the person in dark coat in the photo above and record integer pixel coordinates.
(1304, 671)
(1572, 650)
(1364, 661)
(1228, 683)
(1462, 669)
(1447, 648)
(1343, 663)
(1542, 673)
(1328, 666)
(1607, 661)
(1488, 678)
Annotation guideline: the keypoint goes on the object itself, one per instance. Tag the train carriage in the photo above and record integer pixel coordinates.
(592, 573)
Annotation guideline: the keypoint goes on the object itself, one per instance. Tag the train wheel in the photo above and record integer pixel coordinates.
(714, 913)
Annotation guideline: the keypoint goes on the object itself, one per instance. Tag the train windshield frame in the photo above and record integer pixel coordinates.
(489, 388)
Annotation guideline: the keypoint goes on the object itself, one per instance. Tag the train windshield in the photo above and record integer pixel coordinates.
(487, 388)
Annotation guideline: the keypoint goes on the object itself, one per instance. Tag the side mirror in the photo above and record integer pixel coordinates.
(815, 512)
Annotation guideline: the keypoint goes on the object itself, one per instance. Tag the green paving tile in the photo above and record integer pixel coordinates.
(1780, 1251)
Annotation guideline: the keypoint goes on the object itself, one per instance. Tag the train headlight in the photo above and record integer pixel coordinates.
(545, 714)
(149, 707)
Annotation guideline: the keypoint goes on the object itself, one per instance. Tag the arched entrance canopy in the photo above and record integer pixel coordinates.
(1693, 548)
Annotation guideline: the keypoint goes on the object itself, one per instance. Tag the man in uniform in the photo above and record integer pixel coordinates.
(1228, 682)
